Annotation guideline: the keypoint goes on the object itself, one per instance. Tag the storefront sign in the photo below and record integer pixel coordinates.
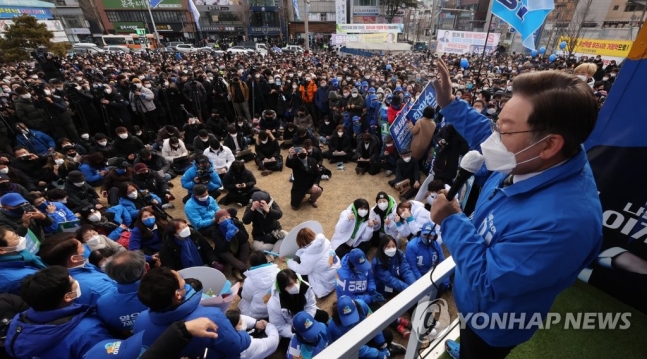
(366, 11)
(80, 31)
(141, 4)
(8, 12)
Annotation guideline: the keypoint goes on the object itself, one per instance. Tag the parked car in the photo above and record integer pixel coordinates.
(210, 50)
(185, 48)
(293, 49)
(116, 49)
(240, 50)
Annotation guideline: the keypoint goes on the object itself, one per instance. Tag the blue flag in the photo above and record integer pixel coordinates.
(525, 16)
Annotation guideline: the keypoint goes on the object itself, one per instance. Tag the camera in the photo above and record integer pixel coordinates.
(132, 87)
(39, 90)
(27, 207)
(118, 162)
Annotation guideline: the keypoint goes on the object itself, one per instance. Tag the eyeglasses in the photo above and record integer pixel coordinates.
(495, 128)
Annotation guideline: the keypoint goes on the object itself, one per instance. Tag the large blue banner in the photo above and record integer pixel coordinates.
(400, 130)
(525, 16)
(427, 98)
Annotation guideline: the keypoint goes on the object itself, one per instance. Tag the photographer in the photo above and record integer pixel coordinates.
(217, 125)
(56, 109)
(20, 216)
(116, 108)
(141, 102)
(35, 141)
(49, 64)
(202, 172)
(81, 102)
(196, 95)
(150, 181)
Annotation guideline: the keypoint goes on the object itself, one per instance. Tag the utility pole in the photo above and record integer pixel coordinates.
(305, 25)
(157, 35)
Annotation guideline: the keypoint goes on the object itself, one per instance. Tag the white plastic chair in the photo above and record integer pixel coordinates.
(289, 246)
(212, 279)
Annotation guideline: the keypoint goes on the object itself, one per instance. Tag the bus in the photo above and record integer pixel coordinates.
(130, 41)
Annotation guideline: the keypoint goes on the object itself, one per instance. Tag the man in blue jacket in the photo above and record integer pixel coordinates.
(55, 326)
(538, 220)
(119, 308)
(424, 252)
(35, 141)
(355, 279)
(16, 261)
(201, 209)
(169, 299)
(202, 172)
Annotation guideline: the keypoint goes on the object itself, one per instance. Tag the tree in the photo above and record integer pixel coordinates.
(574, 29)
(390, 8)
(244, 14)
(27, 35)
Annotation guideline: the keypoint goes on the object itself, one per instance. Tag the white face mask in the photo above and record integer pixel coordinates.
(293, 289)
(26, 96)
(383, 205)
(605, 79)
(147, 86)
(204, 199)
(582, 77)
(85, 136)
(22, 244)
(431, 198)
(78, 290)
(94, 217)
(102, 143)
(4, 170)
(264, 142)
(123, 136)
(185, 232)
(354, 95)
(79, 184)
(390, 252)
(93, 241)
(59, 161)
(138, 85)
(406, 159)
(491, 111)
(47, 92)
(362, 212)
(498, 158)
(132, 195)
(327, 123)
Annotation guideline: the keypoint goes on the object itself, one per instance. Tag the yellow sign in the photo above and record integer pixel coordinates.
(615, 48)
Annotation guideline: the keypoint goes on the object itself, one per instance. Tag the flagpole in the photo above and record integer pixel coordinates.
(487, 36)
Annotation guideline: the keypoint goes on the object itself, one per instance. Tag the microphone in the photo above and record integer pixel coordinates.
(470, 164)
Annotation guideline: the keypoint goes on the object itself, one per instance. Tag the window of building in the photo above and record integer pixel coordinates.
(616, 7)
(634, 7)
(262, 3)
(256, 19)
(270, 18)
(365, 2)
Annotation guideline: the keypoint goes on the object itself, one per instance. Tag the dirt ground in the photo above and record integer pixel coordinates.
(339, 192)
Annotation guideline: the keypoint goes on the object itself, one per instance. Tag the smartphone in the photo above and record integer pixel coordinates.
(297, 149)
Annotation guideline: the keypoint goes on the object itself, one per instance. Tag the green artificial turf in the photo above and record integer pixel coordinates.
(561, 343)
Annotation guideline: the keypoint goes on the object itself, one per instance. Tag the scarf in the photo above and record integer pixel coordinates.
(229, 229)
(189, 254)
(24, 256)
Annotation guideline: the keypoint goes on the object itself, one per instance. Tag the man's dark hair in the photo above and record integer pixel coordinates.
(435, 186)
(3, 241)
(561, 104)
(126, 267)
(58, 249)
(234, 317)
(257, 258)
(144, 153)
(55, 194)
(199, 189)
(157, 288)
(44, 290)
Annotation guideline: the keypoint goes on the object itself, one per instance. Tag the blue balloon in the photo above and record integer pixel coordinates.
(464, 63)
(542, 50)
(533, 53)
(562, 45)
(552, 58)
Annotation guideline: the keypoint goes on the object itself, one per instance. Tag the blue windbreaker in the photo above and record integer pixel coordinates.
(188, 176)
(352, 284)
(526, 243)
(200, 216)
(394, 279)
(301, 350)
(67, 340)
(422, 257)
(119, 308)
(12, 273)
(229, 344)
(94, 283)
(152, 244)
(337, 331)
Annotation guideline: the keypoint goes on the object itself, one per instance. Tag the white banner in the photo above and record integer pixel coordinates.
(340, 11)
(52, 25)
(366, 10)
(463, 42)
(59, 36)
(369, 28)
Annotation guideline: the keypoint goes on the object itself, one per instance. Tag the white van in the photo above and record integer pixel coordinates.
(87, 47)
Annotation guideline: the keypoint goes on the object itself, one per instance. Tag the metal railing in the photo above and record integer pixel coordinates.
(422, 290)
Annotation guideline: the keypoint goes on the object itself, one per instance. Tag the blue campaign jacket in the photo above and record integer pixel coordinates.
(119, 308)
(200, 216)
(137, 242)
(338, 330)
(132, 208)
(188, 176)
(422, 257)
(62, 214)
(396, 278)
(229, 344)
(36, 142)
(91, 174)
(12, 273)
(526, 243)
(94, 283)
(67, 340)
(352, 284)
(299, 350)
(122, 216)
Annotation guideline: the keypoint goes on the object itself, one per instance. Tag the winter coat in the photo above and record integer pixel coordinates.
(120, 307)
(170, 252)
(423, 132)
(257, 290)
(396, 277)
(146, 245)
(130, 146)
(36, 142)
(223, 245)
(143, 103)
(243, 88)
(261, 348)
(263, 223)
(170, 154)
(222, 158)
(94, 283)
(198, 215)
(413, 224)
(391, 211)
(345, 227)
(353, 284)
(229, 344)
(188, 176)
(281, 317)
(308, 91)
(422, 257)
(320, 263)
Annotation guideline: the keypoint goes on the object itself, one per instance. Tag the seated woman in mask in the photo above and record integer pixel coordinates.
(57, 168)
(132, 199)
(240, 183)
(91, 238)
(354, 229)
(339, 146)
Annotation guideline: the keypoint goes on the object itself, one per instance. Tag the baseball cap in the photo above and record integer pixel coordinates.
(306, 326)
(347, 310)
(140, 167)
(12, 199)
(112, 349)
(359, 261)
(428, 228)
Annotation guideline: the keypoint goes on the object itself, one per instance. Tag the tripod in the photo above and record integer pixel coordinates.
(196, 99)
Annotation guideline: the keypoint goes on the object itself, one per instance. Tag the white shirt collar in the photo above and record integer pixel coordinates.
(525, 176)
